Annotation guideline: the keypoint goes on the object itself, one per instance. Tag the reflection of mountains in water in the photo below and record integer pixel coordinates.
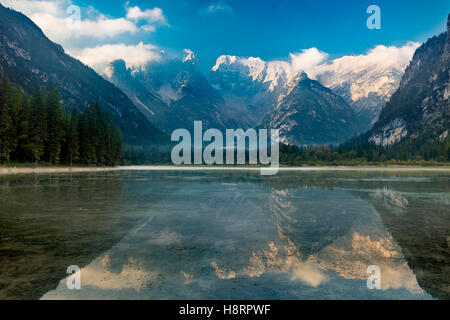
(340, 234)
(198, 235)
(50, 222)
(421, 226)
(204, 242)
(417, 226)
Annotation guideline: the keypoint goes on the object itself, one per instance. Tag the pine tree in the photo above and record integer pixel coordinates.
(99, 130)
(5, 123)
(20, 127)
(39, 129)
(73, 137)
(87, 138)
(55, 131)
(38, 122)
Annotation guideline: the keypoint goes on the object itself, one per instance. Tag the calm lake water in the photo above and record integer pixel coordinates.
(225, 235)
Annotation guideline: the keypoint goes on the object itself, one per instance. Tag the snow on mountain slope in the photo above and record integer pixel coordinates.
(365, 81)
(231, 71)
(172, 93)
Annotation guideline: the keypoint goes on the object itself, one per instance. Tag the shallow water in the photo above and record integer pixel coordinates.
(225, 235)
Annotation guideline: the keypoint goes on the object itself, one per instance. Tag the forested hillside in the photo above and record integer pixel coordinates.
(38, 128)
(29, 59)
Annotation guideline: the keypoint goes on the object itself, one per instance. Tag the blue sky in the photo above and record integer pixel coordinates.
(273, 28)
(269, 29)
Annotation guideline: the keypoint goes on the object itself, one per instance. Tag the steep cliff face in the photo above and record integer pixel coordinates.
(420, 107)
(311, 114)
(29, 59)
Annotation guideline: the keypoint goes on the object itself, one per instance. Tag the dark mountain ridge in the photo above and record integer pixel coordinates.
(420, 108)
(29, 59)
(311, 114)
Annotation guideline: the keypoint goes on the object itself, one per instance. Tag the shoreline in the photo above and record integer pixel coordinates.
(285, 169)
(46, 170)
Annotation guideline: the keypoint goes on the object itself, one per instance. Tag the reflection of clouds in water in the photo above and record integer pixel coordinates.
(188, 277)
(392, 200)
(297, 243)
(348, 256)
(349, 261)
(221, 273)
(352, 263)
(132, 276)
(106, 262)
(96, 275)
(309, 274)
(286, 259)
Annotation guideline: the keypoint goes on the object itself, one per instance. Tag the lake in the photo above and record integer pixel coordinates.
(226, 235)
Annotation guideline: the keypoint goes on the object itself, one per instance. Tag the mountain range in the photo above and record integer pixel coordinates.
(172, 93)
(325, 104)
(29, 59)
(249, 93)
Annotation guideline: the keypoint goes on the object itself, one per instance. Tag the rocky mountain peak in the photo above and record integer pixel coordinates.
(301, 76)
(190, 57)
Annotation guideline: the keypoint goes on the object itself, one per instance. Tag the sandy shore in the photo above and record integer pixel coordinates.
(43, 170)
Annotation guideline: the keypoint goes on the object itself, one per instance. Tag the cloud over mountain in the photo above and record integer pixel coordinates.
(56, 19)
(134, 55)
(365, 81)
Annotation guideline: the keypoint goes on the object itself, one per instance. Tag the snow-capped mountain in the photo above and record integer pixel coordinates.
(172, 93)
(365, 82)
(249, 85)
(339, 99)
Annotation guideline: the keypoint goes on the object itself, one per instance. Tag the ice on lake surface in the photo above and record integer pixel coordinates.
(225, 235)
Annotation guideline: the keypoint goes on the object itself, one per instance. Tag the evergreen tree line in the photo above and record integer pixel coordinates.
(38, 129)
(359, 151)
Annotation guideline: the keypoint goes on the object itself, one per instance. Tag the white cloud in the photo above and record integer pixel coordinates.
(58, 29)
(149, 15)
(52, 18)
(315, 62)
(219, 7)
(100, 56)
(28, 7)
(381, 57)
(308, 60)
(377, 71)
